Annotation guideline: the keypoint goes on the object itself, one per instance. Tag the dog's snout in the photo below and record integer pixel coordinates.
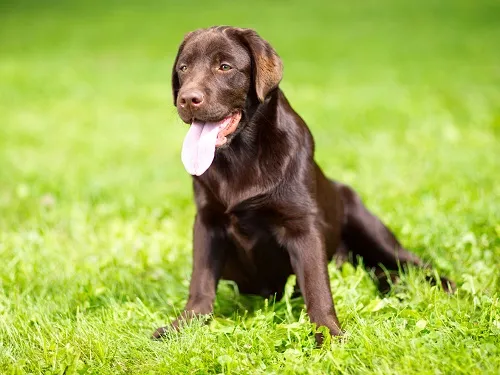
(192, 98)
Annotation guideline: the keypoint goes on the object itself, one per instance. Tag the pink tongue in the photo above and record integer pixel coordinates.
(198, 149)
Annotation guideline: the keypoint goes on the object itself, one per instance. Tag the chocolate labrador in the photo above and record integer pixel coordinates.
(265, 210)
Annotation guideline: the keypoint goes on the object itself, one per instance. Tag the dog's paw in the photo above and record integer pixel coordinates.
(160, 333)
(448, 285)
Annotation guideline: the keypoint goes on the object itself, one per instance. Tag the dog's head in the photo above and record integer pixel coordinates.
(217, 73)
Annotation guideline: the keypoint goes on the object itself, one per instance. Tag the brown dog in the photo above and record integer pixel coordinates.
(265, 209)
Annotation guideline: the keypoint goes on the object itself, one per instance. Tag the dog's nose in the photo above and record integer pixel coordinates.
(193, 98)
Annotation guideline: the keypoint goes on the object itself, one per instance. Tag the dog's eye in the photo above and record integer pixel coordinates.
(183, 68)
(225, 67)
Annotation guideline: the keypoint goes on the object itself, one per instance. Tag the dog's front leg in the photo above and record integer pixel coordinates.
(308, 258)
(208, 259)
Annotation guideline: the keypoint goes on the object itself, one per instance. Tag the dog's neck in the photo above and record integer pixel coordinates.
(266, 133)
(258, 118)
(257, 159)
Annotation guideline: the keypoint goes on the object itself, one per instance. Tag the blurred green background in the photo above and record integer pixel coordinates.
(403, 99)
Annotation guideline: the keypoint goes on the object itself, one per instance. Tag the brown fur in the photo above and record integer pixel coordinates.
(264, 208)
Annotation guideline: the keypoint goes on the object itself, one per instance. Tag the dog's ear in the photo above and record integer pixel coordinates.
(176, 85)
(266, 64)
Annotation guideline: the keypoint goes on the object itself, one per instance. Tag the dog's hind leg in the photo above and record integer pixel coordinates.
(365, 235)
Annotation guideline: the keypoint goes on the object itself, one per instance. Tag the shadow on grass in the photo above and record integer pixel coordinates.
(230, 303)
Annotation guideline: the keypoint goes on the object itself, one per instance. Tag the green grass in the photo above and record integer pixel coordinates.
(96, 210)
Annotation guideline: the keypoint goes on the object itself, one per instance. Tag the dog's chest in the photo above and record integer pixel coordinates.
(250, 229)
(237, 187)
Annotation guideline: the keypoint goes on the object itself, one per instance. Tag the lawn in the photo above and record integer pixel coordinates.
(96, 210)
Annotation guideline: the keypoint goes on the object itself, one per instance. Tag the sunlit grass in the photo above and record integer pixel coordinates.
(96, 210)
